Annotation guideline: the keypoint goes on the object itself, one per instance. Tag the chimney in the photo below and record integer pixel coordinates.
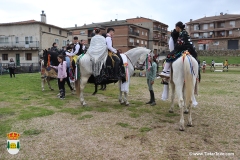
(84, 24)
(76, 25)
(43, 17)
(221, 13)
(190, 20)
(115, 19)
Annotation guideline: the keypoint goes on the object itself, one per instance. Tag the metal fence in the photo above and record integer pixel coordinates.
(20, 44)
(23, 68)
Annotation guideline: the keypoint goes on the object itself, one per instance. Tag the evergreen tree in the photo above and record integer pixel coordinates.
(18, 145)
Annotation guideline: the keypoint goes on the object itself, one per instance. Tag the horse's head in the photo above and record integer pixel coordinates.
(45, 57)
(141, 63)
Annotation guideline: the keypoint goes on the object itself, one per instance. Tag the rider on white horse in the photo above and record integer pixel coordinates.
(183, 43)
(113, 51)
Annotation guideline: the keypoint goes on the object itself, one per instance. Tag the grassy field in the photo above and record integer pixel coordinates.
(62, 129)
(219, 59)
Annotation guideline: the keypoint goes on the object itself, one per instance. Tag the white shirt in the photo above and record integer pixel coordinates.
(77, 47)
(69, 53)
(83, 47)
(171, 44)
(109, 45)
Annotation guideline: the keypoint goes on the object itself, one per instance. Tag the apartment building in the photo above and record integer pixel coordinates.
(127, 35)
(216, 32)
(158, 40)
(24, 41)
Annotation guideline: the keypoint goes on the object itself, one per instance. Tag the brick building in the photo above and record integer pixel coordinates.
(216, 32)
(127, 36)
(24, 41)
(157, 33)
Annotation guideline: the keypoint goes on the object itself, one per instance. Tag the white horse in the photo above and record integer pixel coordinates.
(183, 80)
(135, 56)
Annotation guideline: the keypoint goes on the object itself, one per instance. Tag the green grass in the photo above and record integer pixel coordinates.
(5, 127)
(32, 112)
(134, 115)
(219, 59)
(6, 111)
(85, 116)
(145, 129)
(32, 132)
(125, 125)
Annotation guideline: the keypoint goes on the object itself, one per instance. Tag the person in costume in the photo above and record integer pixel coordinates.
(112, 51)
(183, 43)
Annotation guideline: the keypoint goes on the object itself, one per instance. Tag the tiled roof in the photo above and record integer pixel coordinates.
(29, 22)
(216, 18)
(103, 25)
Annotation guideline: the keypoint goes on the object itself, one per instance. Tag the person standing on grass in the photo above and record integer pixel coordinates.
(68, 69)
(62, 74)
(226, 64)
(11, 67)
(212, 65)
(151, 74)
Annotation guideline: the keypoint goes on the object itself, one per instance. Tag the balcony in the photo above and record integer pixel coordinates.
(21, 45)
(133, 33)
(131, 44)
(164, 31)
(156, 29)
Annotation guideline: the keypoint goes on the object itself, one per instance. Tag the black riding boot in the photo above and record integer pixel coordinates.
(151, 99)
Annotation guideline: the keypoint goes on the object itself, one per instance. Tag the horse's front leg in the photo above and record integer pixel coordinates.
(96, 89)
(49, 85)
(82, 86)
(43, 83)
(172, 97)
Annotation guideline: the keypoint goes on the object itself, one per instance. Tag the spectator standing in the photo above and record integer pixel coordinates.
(11, 67)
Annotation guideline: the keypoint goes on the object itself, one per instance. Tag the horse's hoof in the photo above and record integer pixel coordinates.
(170, 111)
(127, 104)
(122, 103)
(52, 89)
(189, 125)
(181, 129)
(185, 112)
(94, 93)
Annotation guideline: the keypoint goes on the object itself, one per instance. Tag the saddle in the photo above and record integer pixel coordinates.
(107, 72)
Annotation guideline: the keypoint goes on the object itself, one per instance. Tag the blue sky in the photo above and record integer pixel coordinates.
(68, 13)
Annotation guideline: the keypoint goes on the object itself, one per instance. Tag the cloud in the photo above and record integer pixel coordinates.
(68, 13)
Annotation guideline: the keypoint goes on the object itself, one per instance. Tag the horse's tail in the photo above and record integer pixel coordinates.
(189, 81)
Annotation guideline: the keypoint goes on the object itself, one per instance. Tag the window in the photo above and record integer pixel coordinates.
(16, 39)
(31, 39)
(5, 57)
(205, 26)
(223, 33)
(50, 29)
(230, 32)
(69, 33)
(64, 43)
(142, 33)
(137, 41)
(28, 56)
(205, 35)
(57, 41)
(26, 40)
(196, 35)
(131, 40)
(196, 27)
(222, 25)
(216, 43)
(82, 32)
(141, 42)
(145, 42)
(146, 34)
(211, 24)
(232, 23)
(60, 32)
(137, 31)
(3, 40)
